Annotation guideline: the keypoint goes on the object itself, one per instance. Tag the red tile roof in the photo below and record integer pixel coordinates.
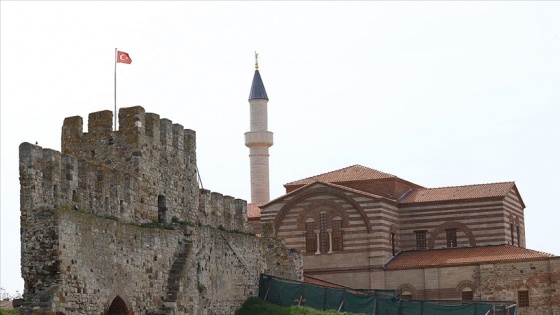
(311, 280)
(253, 211)
(347, 174)
(459, 192)
(460, 256)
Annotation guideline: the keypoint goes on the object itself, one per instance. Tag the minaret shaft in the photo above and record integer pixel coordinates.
(258, 140)
(259, 115)
(260, 193)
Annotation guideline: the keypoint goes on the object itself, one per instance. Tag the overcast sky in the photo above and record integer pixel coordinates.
(437, 93)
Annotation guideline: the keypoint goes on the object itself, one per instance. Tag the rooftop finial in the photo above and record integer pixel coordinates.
(256, 61)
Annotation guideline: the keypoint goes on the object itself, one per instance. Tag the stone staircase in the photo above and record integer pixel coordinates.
(177, 271)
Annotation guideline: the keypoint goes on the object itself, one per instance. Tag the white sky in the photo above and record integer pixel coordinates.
(437, 93)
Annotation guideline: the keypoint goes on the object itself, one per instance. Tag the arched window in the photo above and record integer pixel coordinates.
(310, 238)
(323, 234)
(511, 231)
(406, 295)
(523, 296)
(467, 294)
(337, 240)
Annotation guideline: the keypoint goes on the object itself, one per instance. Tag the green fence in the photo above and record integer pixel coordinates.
(377, 302)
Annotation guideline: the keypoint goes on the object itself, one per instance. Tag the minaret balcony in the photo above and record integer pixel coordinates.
(258, 138)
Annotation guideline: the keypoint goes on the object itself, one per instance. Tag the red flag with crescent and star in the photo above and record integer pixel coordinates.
(123, 57)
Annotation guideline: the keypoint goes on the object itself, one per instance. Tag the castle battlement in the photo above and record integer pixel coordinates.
(116, 223)
(144, 172)
(139, 134)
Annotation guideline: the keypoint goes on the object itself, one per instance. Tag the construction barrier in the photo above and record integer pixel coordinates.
(376, 302)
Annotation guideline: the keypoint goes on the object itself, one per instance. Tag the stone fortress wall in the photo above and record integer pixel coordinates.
(95, 219)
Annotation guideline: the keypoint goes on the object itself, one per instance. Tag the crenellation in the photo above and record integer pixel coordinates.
(30, 176)
(240, 216)
(72, 132)
(178, 137)
(166, 134)
(132, 122)
(217, 209)
(229, 210)
(100, 126)
(152, 125)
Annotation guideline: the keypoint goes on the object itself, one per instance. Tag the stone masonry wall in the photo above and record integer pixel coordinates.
(100, 259)
(117, 218)
(540, 277)
(490, 282)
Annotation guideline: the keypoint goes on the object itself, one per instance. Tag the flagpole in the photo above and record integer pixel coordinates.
(115, 114)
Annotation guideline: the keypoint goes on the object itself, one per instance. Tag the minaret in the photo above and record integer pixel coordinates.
(259, 139)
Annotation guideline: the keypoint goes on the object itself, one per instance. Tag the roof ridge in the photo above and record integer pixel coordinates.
(477, 246)
(309, 177)
(357, 191)
(538, 251)
(340, 170)
(468, 185)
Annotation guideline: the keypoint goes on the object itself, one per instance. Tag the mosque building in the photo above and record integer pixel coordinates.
(363, 228)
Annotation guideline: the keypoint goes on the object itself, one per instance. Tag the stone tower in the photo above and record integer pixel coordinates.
(258, 140)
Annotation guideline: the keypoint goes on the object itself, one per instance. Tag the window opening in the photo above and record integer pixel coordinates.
(523, 297)
(337, 235)
(406, 295)
(310, 237)
(162, 209)
(511, 230)
(467, 294)
(324, 235)
(420, 239)
(393, 243)
(518, 237)
(451, 237)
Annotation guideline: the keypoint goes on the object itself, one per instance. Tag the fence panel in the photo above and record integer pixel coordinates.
(288, 292)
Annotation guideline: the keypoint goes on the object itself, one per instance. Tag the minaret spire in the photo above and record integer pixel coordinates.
(258, 139)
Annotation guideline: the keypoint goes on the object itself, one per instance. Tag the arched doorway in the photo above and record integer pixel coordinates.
(118, 307)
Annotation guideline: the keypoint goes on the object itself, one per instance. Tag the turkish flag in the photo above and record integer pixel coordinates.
(123, 57)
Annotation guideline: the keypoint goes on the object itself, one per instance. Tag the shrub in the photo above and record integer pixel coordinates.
(254, 306)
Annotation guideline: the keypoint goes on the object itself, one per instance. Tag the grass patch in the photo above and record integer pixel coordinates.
(254, 306)
(222, 228)
(157, 225)
(108, 217)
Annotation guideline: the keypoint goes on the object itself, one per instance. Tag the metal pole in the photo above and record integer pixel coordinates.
(115, 126)
(340, 307)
